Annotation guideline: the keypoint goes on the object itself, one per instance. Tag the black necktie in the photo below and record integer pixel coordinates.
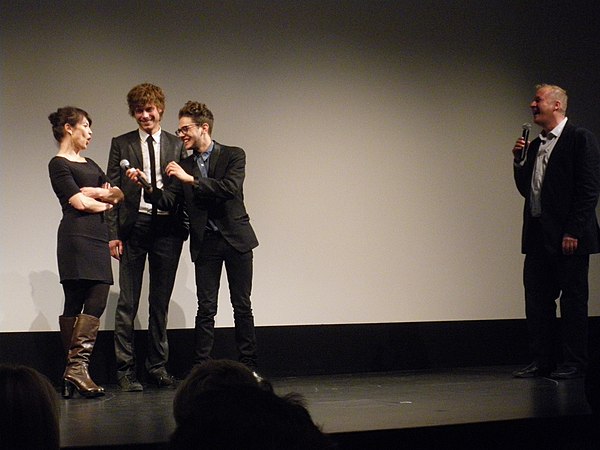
(152, 168)
(152, 162)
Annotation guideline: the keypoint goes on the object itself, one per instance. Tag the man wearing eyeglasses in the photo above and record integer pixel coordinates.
(140, 231)
(211, 182)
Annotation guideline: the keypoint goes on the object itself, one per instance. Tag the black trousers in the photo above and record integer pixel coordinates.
(208, 267)
(548, 278)
(155, 240)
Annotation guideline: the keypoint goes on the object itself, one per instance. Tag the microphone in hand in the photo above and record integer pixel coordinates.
(126, 166)
(526, 128)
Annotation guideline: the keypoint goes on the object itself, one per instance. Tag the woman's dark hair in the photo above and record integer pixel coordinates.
(66, 115)
(29, 409)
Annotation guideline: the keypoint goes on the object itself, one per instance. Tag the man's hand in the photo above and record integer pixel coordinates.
(569, 245)
(518, 148)
(135, 175)
(116, 249)
(174, 169)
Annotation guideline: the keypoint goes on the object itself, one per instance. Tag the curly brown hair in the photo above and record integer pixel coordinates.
(145, 94)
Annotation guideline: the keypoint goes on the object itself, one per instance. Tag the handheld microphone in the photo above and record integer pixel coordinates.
(526, 127)
(126, 166)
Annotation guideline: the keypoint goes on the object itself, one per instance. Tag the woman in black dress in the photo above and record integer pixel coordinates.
(83, 254)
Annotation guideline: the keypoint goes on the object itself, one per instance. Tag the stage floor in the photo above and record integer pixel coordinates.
(420, 408)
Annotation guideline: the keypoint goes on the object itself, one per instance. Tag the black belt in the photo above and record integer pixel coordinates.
(149, 216)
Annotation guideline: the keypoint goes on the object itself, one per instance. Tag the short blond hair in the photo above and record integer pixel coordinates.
(557, 93)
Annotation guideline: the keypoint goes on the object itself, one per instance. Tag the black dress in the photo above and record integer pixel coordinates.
(82, 249)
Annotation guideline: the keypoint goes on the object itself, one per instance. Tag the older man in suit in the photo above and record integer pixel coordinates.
(211, 183)
(140, 231)
(558, 174)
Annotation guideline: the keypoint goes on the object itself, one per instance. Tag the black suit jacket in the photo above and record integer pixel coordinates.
(220, 197)
(569, 192)
(128, 146)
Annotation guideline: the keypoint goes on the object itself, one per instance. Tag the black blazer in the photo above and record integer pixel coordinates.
(128, 146)
(220, 197)
(569, 192)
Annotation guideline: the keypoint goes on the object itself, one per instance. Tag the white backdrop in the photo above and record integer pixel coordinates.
(378, 137)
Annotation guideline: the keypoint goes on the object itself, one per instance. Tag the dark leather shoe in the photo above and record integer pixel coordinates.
(531, 371)
(567, 373)
(129, 383)
(163, 379)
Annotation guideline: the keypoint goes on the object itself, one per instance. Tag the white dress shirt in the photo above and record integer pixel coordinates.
(145, 207)
(539, 168)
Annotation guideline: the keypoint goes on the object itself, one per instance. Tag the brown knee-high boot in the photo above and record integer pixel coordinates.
(66, 325)
(76, 374)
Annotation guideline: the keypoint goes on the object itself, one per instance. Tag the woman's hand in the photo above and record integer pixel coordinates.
(94, 192)
(105, 194)
(84, 203)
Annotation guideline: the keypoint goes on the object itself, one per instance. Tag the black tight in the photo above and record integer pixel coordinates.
(85, 296)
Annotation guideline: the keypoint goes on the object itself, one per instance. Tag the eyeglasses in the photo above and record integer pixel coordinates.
(184, 129)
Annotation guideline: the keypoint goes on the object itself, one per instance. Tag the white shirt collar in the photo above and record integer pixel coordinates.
(556, 131)
(144, 135)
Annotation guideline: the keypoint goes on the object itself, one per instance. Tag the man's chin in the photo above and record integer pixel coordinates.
(148, 128)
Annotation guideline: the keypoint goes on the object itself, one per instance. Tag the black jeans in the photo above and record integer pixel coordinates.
(208, 267)
(162, 247)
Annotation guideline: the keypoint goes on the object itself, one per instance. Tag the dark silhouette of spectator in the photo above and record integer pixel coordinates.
(217, 374)
(222, 405)
(28, 410)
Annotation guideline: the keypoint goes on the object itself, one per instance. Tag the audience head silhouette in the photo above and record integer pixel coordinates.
(222, 405)
(28, 410)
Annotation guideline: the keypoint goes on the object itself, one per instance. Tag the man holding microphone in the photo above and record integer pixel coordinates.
(558, 175)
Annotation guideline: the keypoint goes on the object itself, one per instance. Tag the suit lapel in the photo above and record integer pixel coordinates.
(561, 145)
(190, 165)
(164, 151)
(214, 159)
(135, 145)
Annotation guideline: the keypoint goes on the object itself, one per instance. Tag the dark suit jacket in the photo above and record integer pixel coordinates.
(128, 146)
(220, 197)
(569, 192)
